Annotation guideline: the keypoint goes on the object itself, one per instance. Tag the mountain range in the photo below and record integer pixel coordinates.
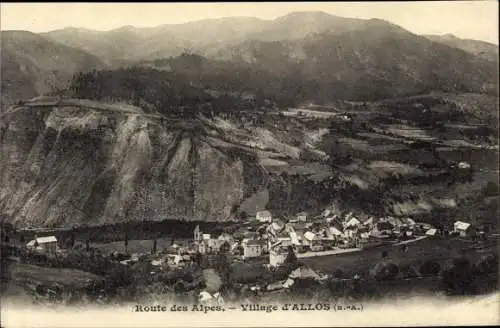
(335, 57)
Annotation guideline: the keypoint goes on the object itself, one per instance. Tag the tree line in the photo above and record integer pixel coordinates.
(168, 93)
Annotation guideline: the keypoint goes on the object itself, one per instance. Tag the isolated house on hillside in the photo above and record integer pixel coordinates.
(46, 245)
(431, 232)
(263, 216)
(464, 229)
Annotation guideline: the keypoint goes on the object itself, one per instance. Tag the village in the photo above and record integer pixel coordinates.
(271, 239)
(269, 242)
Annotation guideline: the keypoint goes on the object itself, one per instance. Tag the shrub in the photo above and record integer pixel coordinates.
(338, 274)
(409, 271)
(487, 264)
(458, 278)
(430, 268)
(491, 189)
(384, 271)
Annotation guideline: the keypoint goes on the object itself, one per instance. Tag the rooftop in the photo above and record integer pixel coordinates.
(43, 240)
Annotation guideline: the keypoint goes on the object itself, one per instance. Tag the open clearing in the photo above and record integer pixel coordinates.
(26, 274)
(136, 246)
(436, 249)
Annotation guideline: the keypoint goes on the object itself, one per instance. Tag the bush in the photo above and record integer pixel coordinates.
(246, 273)
(339, 274)
(409, 271)
(491, 189)
(487, 264)
(385, 271)
(430, 268)
(458, 278)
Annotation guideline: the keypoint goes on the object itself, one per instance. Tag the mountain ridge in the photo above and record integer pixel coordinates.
(33, 65)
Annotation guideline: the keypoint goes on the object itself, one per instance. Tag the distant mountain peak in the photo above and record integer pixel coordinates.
(305, 13)
(450, 36)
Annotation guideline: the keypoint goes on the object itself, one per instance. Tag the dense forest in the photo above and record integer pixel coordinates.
(182, 89)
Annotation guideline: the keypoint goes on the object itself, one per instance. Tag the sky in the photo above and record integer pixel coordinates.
(465, 19)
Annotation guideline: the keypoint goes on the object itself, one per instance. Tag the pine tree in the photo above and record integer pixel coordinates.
(72, 242)
(126, 243)
(291, 259)
(154, 245)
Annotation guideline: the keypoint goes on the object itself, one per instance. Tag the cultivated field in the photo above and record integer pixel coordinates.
(435, 249)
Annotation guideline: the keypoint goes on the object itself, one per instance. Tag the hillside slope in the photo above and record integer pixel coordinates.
(378, 60)
(32, 65)
(479, 48)
(73, 164)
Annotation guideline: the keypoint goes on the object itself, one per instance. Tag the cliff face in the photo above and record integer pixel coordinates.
(68, 165)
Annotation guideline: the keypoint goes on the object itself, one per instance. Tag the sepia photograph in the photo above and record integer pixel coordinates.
(249, 164)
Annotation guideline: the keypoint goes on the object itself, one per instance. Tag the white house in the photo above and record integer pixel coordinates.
(464, 165)
(46, 245)
(264, 216)
(463, 228)
(277, 258)
(431, 232)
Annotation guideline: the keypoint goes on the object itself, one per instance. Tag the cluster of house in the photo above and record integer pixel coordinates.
(329, 231)
(275, 237)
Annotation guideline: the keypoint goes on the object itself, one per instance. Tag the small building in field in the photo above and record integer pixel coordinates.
(264, 216)
(431, 232)
(46, 245)
(464, 229)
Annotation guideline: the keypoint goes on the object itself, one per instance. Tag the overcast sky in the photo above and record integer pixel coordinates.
(465, 19)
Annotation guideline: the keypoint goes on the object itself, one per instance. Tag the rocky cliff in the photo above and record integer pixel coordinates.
(72, 162)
